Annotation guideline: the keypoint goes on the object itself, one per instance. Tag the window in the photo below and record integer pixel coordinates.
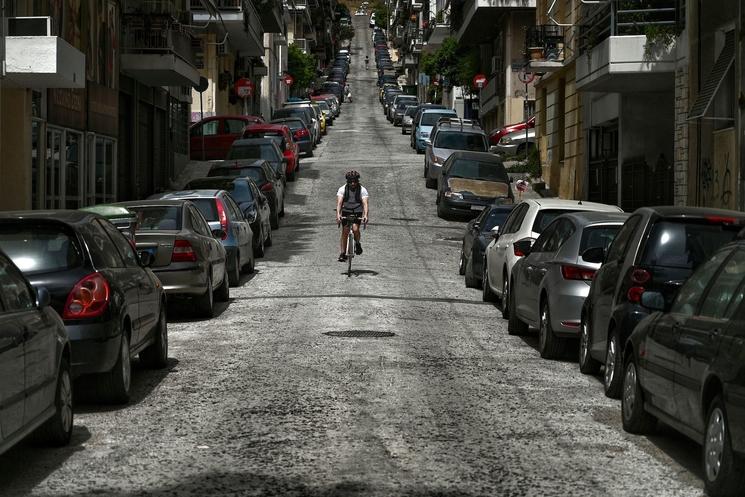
(488, 171)
(40, 249)
(726, 295)
(122, 245)
(495, 217)
(234, 126)
(103, 252)
(516, 220)
(621, 243)
(16, 293)
(541, 243)
(685, 244)
(253, 151)
(460, 141)
(693, 289)
(210, 128)
(544, 217)
(198, 223)
(207, 207)
(153, 218)
(233, 211)
(598, 236)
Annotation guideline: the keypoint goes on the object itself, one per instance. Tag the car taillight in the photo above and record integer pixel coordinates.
(183, 252)
(517, 251)
(639, 277)
(267, 187)
(88, 298)
(634, 294)
(223, 217)
(577, 273)
(301, 133)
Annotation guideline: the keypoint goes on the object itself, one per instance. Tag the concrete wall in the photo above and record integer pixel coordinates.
(15, 148)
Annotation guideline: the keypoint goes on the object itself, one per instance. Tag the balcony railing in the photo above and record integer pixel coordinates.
(302, 43)
(630, 17)
(220, 4)
(156, 36)
(545, 42)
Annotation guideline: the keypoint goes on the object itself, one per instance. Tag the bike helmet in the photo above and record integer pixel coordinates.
(352, 175)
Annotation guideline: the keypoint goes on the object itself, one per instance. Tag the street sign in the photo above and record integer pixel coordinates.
(479, 81)
(521, 185)
(288, 79)
(244, 88)
(526, 77)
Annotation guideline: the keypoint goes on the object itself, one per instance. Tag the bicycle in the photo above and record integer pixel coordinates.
(350, 220)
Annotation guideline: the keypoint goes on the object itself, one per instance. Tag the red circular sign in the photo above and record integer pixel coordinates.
(479, 81)
(526, 77)
(244, 88)
(521, 185)
(288, 79)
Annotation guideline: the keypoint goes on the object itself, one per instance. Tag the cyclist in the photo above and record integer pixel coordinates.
(367, 61)
(351, 200)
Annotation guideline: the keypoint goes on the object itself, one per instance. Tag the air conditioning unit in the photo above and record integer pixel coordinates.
(30, 26)
(223, 48)
(496, 64)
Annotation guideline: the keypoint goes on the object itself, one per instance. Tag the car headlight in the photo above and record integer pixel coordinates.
(454, 195)
(506, 140)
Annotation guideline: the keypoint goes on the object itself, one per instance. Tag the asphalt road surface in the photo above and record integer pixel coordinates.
(261, 401)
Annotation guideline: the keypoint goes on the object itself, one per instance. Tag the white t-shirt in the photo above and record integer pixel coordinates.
(363, 191)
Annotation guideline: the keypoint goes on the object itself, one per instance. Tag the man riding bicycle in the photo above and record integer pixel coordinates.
(351, 202)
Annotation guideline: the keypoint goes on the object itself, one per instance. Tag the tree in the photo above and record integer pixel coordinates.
(302, 67)
(456, 65)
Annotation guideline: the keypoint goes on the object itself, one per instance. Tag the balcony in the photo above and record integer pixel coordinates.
(34, 58)
(544, 48)
(409, 61)
(300, 8)
(436, 30)
(270, 13)
(157, 52)
(241, 21)
(303, 44)
(479, 18)
(628, 47)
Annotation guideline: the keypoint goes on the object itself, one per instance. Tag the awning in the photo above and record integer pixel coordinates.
(714, 80)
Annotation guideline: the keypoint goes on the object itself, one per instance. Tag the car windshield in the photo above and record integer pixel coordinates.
(544, 218)
(598, 236)
(403, 104)
(411, 111)
(430, 118)
(253, 151)
(685, 244)
(290, 112)
(255, 173)
(294, 125)
(460, 141)
(207, 207)
(473, 169)
(239, 190)
(496, 217)
(40, 248)
(157, 217)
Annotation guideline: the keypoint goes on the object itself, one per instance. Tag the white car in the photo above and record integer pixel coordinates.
(526, 221)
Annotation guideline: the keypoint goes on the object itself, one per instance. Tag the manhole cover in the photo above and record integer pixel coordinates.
(404, 219)
(360, 334)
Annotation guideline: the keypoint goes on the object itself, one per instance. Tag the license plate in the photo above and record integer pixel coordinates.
(478, 207)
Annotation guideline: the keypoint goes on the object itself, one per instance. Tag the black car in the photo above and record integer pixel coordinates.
(36, 382)
(265, 177)
(478, 235)
(686, 367)
(656, 249)
(300, 133)
(113, 306)
(469, 181)
(252, 202)
(260, 148)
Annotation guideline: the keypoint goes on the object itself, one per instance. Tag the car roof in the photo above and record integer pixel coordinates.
(196, 193)
(432, 111)
(560, 203)
(239, 163)
(67, 216)
(266, 127)
(683, 212)
(586, 218)
(253, 141)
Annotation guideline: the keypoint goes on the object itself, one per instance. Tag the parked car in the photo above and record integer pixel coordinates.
(396, 108)
(210, 138)
(686, 367)
(552, 280)
(407, 119)
(415, 120)
(656, 250)
(423, 126)
(514, 143)
(261, 148)
(224, 217)
(314, 111)
(477, 236)
(187, 255)
(251, 201)
(497, 134)
(527, 221)
(304, 113)
(470, 181)
(36, 382)
(287, 145)
(300, 133)
(112, 304)
(448, 136)
(124, 220)
(265, 177)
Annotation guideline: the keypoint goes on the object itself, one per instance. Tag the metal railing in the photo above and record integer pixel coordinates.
(146, 36)
(220, 4)
(630, 17)
(545, 42)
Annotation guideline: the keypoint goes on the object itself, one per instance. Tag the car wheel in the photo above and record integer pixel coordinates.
(222, 293)
(425, 171)
(633, 416)
(274, 219)
(514, 325)
(462, 261)
(402, 131)
(723, 468)
(505, 296)
(310, 152)
(487, 295)
(549, 345)
(441, 209)
(57, 430)
(155, 356)
(430, 183)
(612, 381)
(587, 364)
(471, 280)
(282, 210)
(234, 271)
(291, 176)
(259, 249)
(113, 387)
(268, 242)
(251, 266)
(206, 303)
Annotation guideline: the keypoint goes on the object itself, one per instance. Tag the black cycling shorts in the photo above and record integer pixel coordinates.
(358, 215)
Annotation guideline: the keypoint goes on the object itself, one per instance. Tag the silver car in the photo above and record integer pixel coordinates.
(407, 120)
(551, 282)
(187, 256)
(459, 134)
(514, 143)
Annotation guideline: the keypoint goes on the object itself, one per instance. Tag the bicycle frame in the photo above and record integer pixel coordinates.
(349, 221)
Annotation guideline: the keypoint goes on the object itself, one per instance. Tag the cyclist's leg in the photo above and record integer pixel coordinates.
(343, 240)
(356, 230)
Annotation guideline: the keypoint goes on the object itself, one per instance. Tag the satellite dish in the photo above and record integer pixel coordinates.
(203, 84)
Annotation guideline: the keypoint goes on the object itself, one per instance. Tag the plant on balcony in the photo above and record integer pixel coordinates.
(302, 67)
(658, 37)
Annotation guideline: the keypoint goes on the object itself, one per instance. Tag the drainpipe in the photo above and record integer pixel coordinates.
(741, 103)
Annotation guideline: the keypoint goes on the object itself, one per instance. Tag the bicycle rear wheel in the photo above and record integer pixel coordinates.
(350, 252)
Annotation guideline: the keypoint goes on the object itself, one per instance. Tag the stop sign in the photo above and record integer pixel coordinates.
(244, 88)
(479, 81)
(288, 79)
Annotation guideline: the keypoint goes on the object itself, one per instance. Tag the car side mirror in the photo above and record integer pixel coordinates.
(653, 300)
(493, 149)
(146, 258)
(524, 246)
(495, 232)
(219, 233)
(43, 299)
(594, 255)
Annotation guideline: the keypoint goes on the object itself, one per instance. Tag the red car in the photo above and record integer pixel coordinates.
(289, 148)
(211, 138)
(497, 134)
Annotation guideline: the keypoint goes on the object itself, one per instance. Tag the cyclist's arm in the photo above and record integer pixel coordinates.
(364, 209)
(339, 201)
